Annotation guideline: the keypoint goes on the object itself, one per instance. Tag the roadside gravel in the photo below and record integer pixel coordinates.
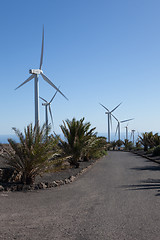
(63, 174)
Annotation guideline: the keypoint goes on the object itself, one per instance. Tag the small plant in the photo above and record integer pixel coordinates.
(128, 145)
(156, 139)
(148, 140)
(150, 151)
(138, 146)
(29, 156)
(119, 143)
(113, 145)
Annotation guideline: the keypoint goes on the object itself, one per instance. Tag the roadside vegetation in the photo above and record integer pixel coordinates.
(28, 157)
(81, 141)
(119, 144)
(147, 143)
(38, 152)
(150, 143)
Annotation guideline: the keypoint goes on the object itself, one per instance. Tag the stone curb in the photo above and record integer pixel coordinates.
(44, 185)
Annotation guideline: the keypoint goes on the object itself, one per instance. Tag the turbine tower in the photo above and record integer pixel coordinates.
(47, 105)
(118, 126)
(109, 118)
(132, 135)
(35, 74)
(126, 131)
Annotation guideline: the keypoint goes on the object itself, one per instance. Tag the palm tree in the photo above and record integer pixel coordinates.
(145, 141)
(156, 139)
(128, 145)
(138, 145)
(119, 143)
(151, 140)
(29, 156)
(113, 144)
(77, 135)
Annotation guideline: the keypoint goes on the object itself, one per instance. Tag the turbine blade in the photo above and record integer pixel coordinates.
(54, 95)
(114, 117)
(104, 107)
(116, 130)
(41, 60)
(116, 107)
(43, 99)
(126, 120)
(47, 80)
(28, 79)
(51, 114)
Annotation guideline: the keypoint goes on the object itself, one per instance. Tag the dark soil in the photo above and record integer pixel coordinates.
(63, 174)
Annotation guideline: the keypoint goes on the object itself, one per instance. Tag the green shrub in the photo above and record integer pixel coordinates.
(95, 148)
(113, 145)
(128, 145)
(150, 151)
(119, 143)
(138, 146)
(156, 151)
(99, 154)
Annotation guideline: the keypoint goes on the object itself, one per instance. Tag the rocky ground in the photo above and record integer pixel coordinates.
(47, 180)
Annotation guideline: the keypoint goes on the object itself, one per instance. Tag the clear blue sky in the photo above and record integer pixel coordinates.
(96, 50)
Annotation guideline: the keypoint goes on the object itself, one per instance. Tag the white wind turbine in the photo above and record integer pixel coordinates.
(48, 105)
(109, 118)
(119, 127)
(35, 74)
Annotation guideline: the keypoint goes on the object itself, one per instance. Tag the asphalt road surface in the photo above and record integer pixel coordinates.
(117, 199)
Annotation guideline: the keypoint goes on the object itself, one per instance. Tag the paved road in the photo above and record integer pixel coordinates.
(117, 199)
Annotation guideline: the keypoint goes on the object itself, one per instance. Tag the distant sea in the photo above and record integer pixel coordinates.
(123, 136)
(3, 138)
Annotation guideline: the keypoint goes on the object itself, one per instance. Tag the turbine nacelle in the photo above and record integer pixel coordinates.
(35, 71)
(45, 104)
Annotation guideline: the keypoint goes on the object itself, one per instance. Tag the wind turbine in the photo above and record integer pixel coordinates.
(35, 74)
(126, 127)
(47, 105)
(118, 125)
(132, 135)
(109, 118)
